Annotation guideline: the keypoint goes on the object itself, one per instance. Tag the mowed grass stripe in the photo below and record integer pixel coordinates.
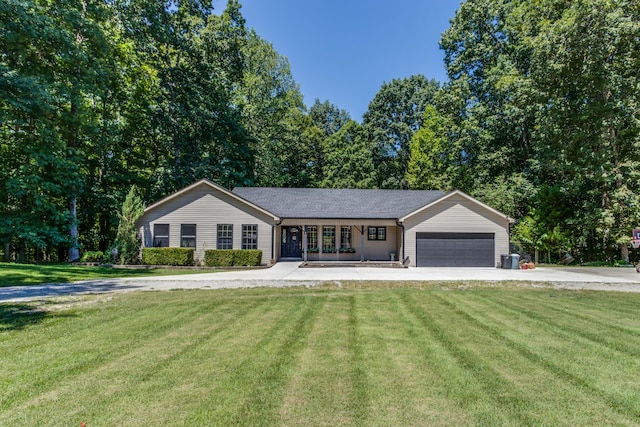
(327, 356)
(171, 383)
(120, 378)
(266, 398)
(592, 342)
(252, 391)
(190, 379)
(402, 388)
(615, 380)
(320, 387)
(510, 378)
(485, 397)
(564, 316)
(568, 357)
(360, 400)
(187, 380)
(624, 303)
(505, 372)
(75, 351)
(570, 307)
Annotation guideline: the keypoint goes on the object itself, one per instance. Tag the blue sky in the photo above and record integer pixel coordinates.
(343, 50)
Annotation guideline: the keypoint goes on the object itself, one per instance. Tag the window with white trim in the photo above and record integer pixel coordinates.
(328, 238)
(249, 236)
(345, 237)
(312, 237)
(225, 236)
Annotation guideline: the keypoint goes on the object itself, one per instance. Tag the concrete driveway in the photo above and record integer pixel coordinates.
(285, 274)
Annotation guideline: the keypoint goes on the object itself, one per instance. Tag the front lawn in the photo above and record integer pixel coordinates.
(375, 354)
(30, 274)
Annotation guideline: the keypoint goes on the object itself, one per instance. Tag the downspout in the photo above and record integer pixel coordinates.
(273, 240)
(401, 225)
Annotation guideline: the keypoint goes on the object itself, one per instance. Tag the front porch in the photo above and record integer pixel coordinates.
(339, 241)
(369, 264)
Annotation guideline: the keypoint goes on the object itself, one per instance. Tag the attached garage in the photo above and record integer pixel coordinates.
(455, 249)
(455, 231)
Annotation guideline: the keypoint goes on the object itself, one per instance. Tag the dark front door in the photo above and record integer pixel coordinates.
(291, 246)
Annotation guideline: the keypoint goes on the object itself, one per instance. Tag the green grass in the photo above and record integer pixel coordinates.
(375, 354)
(30, 274)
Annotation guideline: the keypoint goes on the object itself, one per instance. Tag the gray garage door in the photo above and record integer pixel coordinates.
(455, 250)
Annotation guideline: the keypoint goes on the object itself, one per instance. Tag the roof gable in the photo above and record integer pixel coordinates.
(465, 196)
(213, 187)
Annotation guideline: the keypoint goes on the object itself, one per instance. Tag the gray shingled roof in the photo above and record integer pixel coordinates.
(337, 203)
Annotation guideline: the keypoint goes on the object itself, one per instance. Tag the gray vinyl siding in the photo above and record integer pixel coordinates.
(457, 214)
(207, 207)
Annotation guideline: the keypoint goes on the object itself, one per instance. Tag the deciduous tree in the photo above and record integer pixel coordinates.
(348, 159)
(393, 116)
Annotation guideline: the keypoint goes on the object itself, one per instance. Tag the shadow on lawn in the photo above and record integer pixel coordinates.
(15, 317)
(56, 290)
(35, 274)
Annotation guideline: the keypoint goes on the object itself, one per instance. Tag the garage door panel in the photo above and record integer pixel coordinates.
(455, 249)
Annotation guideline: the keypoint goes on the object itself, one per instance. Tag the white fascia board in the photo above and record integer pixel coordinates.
(466, 196)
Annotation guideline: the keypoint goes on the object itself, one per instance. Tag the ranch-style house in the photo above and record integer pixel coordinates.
(415, 227)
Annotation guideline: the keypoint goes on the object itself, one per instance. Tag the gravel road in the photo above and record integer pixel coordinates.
(290, 274)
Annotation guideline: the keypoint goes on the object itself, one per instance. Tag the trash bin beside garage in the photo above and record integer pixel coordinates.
(505, 261)
(515, 261)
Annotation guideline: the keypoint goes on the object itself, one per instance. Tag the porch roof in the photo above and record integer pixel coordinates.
(329, 203)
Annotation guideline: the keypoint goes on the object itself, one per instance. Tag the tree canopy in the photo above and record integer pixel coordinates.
(539, 118)
(543, 105)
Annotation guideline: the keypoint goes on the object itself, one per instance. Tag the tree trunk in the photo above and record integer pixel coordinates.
(72, 140)
(624, 252)
(21, 252)
(74, 254)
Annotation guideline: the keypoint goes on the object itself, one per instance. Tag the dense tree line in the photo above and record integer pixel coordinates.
(539, 118)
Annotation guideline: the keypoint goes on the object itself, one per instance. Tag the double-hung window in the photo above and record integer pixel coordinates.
(345, 237)
(161, 235)
(312, 237)
(249, 236)
(225, 236)
(328, 238)
(377, 233)
(188, 236)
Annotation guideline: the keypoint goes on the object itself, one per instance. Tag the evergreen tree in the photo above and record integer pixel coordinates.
(128, 241)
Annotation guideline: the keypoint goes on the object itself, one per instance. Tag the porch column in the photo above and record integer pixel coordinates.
(402, 242)
(362, 243)
(273, 242)
(304, 243)
(337, 241)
